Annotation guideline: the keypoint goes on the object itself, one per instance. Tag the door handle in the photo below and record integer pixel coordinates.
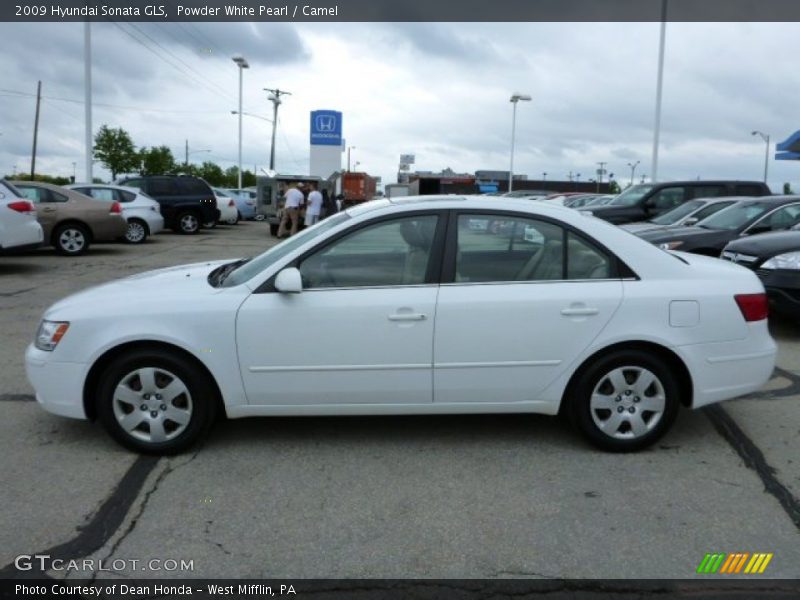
(407, 317)
(48, 209)
(579, 312)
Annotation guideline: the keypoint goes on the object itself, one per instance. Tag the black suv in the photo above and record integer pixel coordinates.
(645, 201)
(186, 201)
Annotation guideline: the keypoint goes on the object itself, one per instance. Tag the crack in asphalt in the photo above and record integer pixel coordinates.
(94, 535)
(754, 459)
(793, 389)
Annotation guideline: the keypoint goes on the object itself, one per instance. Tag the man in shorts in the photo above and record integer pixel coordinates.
(293, 199)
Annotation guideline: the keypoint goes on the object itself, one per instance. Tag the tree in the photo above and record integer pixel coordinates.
(114, 148)
(613, 187)
(212, 173)
(158, 160)
(787, 188)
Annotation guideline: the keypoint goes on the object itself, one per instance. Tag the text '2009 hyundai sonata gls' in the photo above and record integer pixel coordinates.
(407, 307)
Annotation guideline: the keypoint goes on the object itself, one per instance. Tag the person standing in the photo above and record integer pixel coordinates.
(314, 206)
(291, 210)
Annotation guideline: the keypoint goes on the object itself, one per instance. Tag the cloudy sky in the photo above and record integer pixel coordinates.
(437, 90)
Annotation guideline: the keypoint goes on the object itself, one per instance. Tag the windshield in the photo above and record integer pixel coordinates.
(676, 214)
(736, 216)
(631, 196)
(254, 266)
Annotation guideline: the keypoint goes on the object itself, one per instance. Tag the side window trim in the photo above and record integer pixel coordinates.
(769, 214)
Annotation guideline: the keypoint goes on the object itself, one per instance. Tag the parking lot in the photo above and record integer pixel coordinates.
(445, 497)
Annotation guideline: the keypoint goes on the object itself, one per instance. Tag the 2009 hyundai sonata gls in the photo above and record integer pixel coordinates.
(414, 306)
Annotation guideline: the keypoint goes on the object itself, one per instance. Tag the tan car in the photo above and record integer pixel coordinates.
(70, 220)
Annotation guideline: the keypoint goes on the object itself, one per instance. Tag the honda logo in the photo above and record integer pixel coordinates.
(325, 123)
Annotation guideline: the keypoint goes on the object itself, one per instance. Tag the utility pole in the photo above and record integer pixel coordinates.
(600, 172)
(275, 98)
(659, 86)
(36, 128)
(87, 99)
(186, 154)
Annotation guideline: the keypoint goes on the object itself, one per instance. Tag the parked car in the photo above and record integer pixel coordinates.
(70, 220)
(422, 315)
(645, 201)
(775, 258)
(245, 203)
(601, 200)
(581, 200)
(686, 214)
(526, 193)
(228, 213)
(142, 213)
(746, 217)
(186, 201)
(19, 229)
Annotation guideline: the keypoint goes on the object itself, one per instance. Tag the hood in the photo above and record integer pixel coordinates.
(667, 234)
(641, 226)
(159, 285)
(767, 244)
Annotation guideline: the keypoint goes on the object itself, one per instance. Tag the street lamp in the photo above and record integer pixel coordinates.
(659, 87)
(242, 64)
(515, 98)
(633, 169)
(275, 98)
(764, 137)
(348, 156)
(544, 176)
(247, 114)
(187, 153)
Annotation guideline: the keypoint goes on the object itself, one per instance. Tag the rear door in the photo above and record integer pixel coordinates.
(521, 299)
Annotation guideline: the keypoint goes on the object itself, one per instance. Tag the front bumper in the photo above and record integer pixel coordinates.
(58, 385)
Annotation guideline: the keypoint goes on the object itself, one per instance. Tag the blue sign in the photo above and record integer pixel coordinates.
(326, 128)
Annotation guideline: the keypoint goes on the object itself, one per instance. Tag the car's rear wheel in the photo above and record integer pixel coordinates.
(137, 232)
(187, 223)
(155, 402)
(625, 401)
(71, 239)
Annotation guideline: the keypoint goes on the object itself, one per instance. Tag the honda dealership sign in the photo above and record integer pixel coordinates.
(326, 128)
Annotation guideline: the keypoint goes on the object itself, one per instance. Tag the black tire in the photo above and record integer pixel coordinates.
(137, 232)
(197, 404)
(628, 403)
(71, 239)
(187, 222)
(273, 229)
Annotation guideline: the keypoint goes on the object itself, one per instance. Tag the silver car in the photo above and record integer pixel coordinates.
(142, 213)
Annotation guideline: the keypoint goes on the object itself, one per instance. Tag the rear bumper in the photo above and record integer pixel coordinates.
(22, 236)
(109, 229)
(725, 370)
(58, 385)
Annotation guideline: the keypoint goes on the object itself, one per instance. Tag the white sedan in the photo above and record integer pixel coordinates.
(19, 229)
(403, 306)
(142, 213)
(228, 213)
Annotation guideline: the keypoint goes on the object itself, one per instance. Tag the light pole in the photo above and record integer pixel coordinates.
(242, 64)
(544, 176)
(187, 153)
(247, 114)
(87, 96)
(659, 85)
(348, 156)
(765, 137)
(275, 98)
(74, 174)
(633, 169)
(515, 98)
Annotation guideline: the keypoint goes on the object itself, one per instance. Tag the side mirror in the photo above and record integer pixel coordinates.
(289, 281)
(691, 221)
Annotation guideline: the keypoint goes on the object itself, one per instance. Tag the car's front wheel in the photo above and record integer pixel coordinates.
(625, 401)
(154, 402)
(137, 232)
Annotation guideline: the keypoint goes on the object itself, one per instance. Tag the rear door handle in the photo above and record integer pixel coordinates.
(579, 312)
(407, 317)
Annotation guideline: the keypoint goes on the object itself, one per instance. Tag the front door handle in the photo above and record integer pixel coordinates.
(579, 312)
(407, 317)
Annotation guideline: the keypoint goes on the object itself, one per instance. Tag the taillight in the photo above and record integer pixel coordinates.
(231, 203)
(22, 206)
(116, 209)
(754, 307)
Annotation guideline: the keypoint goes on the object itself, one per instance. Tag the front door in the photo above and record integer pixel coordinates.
(360, 332)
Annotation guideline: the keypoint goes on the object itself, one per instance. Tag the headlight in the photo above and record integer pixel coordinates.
(790, 260)
(49, 334)
(670, 245)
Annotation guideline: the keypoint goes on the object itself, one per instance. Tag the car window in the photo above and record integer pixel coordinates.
(193, 187)
(783, 218)
(676, 214)
(33, 194)
(711, 209)
(55, 197)
(585, 261)
(631, 196)
(395, 252)
(124, 196)
(749, 189)
(668, 198)
(100, 193)
(162, 186)
(736, 216)
(709, 191)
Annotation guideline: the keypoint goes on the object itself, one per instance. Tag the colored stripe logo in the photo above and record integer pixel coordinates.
(734, 563)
